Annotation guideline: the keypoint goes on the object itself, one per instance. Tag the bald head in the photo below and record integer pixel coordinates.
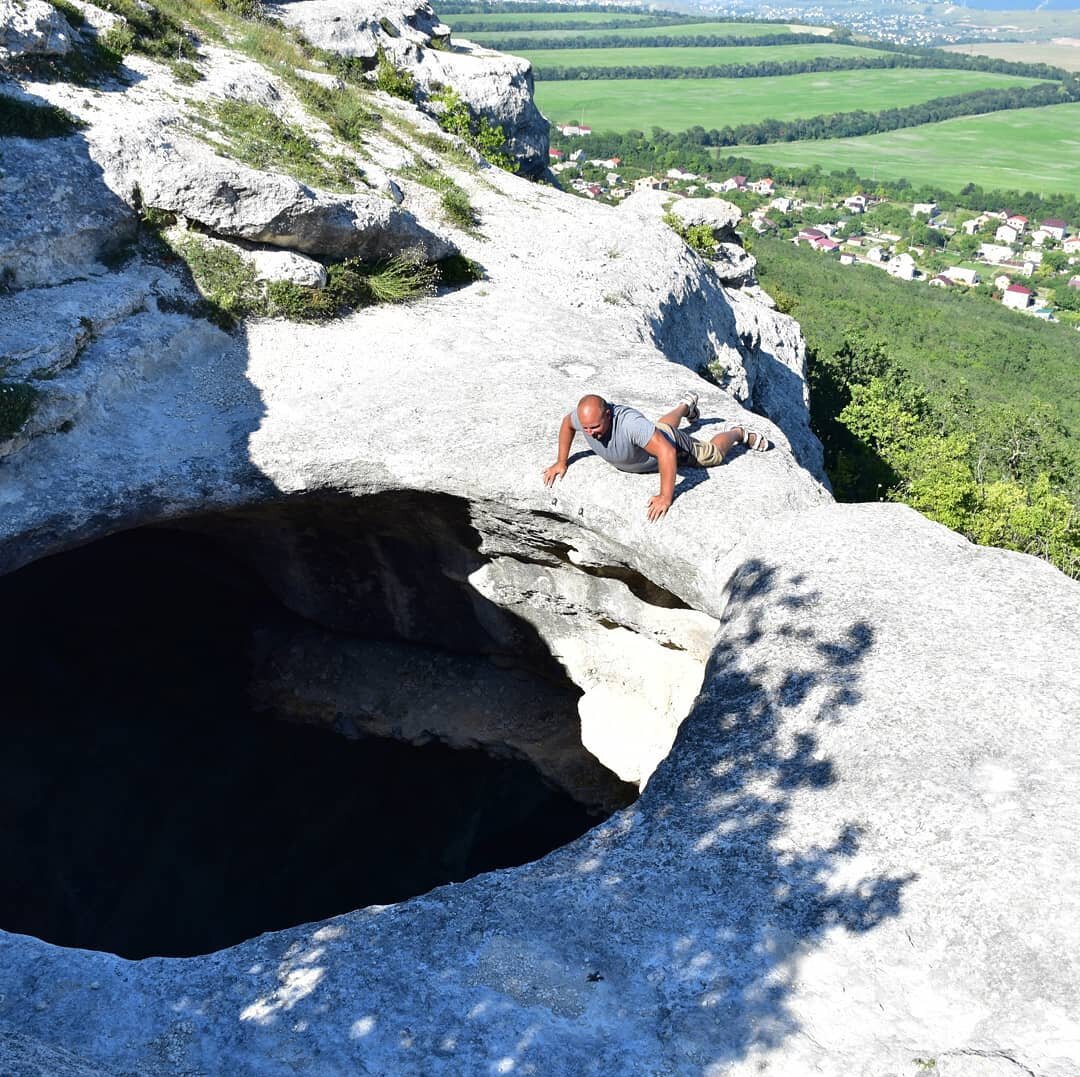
(594, 414)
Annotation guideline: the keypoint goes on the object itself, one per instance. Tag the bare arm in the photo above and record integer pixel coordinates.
(664, 451)
(566, 439)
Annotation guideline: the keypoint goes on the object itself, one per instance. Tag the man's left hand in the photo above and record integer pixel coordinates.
(658, 506)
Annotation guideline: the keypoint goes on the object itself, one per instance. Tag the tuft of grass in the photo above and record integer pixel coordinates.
(454, 200)
(392, 81)
(26, 119)
(17, 402)
(227, 282)
(185, 73)
(698, 237)
(254, 135)
(457, 270)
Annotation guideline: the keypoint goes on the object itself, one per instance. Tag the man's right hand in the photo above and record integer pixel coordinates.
(556, 471)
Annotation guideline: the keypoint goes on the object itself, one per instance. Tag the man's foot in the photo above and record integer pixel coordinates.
(754, 441)
(690, 398)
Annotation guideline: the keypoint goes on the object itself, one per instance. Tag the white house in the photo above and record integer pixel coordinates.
(679, 174)
(1072, 245)
(961, 275)
(1006, 233)
(927, 209)
(902, 267)
(781, 203)
(847, 259)
(994, 254)
(1017, 296)
(762, 186)
(1002, 281)
(877, 254)
(735, 183)
(572, 130)
(940, 281)
(1017, 221)
(1055, 228)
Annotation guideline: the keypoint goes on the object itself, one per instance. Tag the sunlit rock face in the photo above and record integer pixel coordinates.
(857, 854)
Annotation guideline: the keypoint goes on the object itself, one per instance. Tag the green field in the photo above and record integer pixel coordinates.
(584, 19)
(690, 29)
(678, 104)
(1064, 56)
(689, 56)
(1022, 149)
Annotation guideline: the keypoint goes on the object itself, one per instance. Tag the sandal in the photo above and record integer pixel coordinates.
(690, 398)
(760, 443)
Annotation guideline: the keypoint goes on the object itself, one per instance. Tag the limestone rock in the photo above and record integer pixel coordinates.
(733, 265)
(232, 200)
(60, 218)
(492, 84)
(33, 28)
(717, 213)
(288, 266)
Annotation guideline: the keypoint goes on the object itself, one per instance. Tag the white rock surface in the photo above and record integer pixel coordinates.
(491, 83)
(32, 28)
(717, 213)
(288, 266)
(857, 857)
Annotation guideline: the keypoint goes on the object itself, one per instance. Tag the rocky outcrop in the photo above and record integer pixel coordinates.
(492, 84)
(715, 213)
(30, 28)
(855, 849)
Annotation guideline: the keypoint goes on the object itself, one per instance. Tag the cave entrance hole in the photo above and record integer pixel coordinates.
(251, 720)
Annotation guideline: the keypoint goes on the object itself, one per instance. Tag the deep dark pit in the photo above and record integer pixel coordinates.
(148, 810)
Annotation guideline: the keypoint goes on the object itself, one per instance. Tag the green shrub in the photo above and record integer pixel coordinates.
(456, 270)
(244, 9)
(392, 81)
(185, 73)
(698, 237)
(227, 282)
(479, 132)
(26, 119)
(454, 200)
(17, 400)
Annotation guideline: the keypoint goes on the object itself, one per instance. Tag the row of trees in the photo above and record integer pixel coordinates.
(773, 68)
(464, 25)
(615, 41)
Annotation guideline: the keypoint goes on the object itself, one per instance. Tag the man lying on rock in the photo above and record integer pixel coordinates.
(624, 437)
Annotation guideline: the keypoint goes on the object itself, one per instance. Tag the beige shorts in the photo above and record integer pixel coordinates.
(692, 450)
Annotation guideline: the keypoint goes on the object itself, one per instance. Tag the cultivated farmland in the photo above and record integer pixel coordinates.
(1028, 52)
(682, 29)
(689, 56)
(677, 104)
(1022, 149)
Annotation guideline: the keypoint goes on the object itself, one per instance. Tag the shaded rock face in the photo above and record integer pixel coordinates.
(492, 84)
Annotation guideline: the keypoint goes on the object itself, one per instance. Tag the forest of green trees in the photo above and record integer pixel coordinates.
(953, 406)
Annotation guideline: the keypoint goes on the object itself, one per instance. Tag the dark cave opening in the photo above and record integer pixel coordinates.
(149, 808)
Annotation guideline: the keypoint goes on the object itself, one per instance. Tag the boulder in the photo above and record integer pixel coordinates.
(716, 213)
(287, 266)
(31, 28)
(733, 265)
(234, 201)
(492, 84)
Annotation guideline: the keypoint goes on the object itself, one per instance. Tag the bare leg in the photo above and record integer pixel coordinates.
(726, 441)
(675, 416)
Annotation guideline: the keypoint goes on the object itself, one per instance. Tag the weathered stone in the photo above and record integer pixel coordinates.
(59, 216)
(733, 265)
(716, 213)
(287, 266)
(493, 85)
(33, 28)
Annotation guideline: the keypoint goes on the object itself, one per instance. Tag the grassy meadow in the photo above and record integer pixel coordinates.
(1022, 149)
(689, 56)
(677, 104)
(584, 19)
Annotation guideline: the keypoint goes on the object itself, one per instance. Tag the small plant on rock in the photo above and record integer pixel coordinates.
(393, 81)
(17, 400)
(478, 131)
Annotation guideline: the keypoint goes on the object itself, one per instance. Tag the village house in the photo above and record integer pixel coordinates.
(877, 254)
(825, 244)
(573, 130)
(1055, 228)
(556, 155)
(926, 209)
(735, 183)
(762, 186)
(995, 255)
(1002, 281)
(1071, 245)
(1017, 296)
(808, 235)
(1017, 221)
(679, 174)
(961, 275)
(940, 281)
(716, 188)
(613, 179)
(902, 267)
(847, 259)
(856, 203)
(1006, 233)
(650, 183)
(781, 203)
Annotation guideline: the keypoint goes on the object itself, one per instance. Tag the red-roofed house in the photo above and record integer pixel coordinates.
(809, 235)
(1017, 297)
(823, 243)
(1055, 228)
(1017, 221)
(556, 155)
(1072, 245)
(762, 186)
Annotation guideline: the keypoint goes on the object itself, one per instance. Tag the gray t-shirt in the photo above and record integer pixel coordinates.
(625, 444)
